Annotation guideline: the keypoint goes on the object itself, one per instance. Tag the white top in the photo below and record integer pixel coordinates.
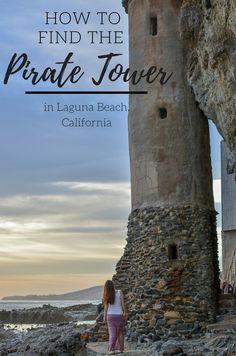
(116, 308)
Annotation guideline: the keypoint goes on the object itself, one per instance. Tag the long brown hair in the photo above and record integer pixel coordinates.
(108, 293)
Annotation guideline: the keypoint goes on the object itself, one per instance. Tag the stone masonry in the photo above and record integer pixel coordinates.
(169, 292)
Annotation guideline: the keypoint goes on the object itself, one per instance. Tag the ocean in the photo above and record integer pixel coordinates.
(28, 304)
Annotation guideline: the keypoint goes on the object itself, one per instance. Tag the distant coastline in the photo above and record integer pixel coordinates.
(93, 293)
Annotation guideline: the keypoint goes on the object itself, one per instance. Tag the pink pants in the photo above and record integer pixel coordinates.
(115, 330)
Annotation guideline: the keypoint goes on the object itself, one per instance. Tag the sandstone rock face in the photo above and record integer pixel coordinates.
(209, 28)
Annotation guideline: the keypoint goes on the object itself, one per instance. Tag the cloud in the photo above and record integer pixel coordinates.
(81, 227)
(58, 266)
(16, 227)
(78, 228)
(96, 188)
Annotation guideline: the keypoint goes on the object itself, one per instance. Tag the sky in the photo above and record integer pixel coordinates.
(64, 192)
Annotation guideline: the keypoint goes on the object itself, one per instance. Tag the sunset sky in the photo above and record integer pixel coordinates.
(64, 192)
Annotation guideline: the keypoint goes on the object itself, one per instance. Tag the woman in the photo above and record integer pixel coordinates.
(114, 315)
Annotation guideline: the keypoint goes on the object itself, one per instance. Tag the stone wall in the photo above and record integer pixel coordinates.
(164, 294)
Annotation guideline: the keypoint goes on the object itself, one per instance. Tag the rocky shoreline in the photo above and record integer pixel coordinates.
(48, 314)
(207, 345)
(65, 339)
(60, 334)
(52, 340)
(68, 338)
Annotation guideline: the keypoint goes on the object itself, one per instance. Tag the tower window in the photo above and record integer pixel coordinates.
(153, 26)
(208, 4)
(172, 252)
(162, 113)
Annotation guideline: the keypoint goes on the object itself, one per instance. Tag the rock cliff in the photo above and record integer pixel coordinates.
(209, 29)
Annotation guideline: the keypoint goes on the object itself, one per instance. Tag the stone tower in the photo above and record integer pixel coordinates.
(169, 268)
